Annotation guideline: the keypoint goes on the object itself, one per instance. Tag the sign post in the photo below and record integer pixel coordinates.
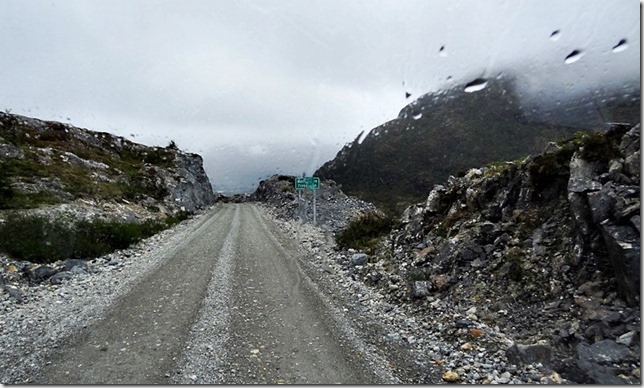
(312, 183)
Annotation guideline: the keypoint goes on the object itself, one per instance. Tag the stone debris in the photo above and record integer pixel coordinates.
(524, 274)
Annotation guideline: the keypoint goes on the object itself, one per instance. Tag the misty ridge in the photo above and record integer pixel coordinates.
(527, 94)
(485, 120)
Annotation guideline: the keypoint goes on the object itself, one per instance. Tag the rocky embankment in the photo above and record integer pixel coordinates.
(88, 174)
(335, 209)
(546, 251)
(521, 272)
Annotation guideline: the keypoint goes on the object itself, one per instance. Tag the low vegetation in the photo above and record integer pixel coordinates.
(365, 232)
(37, 239)
(129, 171)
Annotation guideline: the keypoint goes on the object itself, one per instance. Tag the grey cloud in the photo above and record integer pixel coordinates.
(212, 74)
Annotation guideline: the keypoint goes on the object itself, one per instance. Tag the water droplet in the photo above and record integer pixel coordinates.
(621, 46)
(417, 116)
(476, 85)
(556, 34)
(573, 57)
(442, 51)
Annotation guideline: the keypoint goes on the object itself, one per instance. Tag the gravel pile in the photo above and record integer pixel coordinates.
(334, 208)
(38, 313)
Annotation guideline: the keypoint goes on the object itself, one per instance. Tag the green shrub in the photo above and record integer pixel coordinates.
(40, 240)
(35, 238)
(159, 157)
(177, 218)
(365, 232)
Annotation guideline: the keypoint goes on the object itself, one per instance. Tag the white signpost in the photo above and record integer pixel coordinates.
(312, 183)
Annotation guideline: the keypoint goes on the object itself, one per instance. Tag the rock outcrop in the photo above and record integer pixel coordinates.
(59, 168)
(547, 249)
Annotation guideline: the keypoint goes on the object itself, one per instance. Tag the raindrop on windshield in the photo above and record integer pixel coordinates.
(573, 57)
(621, 46)
(442, 51)
(476, 85)
(417, 116)
(555, 35)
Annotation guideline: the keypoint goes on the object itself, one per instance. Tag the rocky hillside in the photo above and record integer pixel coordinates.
(57, 168)
(335, 209)
(545, 250)
(443, 134)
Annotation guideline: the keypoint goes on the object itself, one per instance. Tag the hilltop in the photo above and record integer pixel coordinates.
(48, 163)
(72, 192)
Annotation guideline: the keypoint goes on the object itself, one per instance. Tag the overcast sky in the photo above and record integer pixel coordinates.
(258, 87)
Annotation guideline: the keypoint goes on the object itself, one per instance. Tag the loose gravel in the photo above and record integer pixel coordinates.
(445, 347)
(33, 330)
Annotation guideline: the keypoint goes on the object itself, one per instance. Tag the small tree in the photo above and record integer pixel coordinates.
(172, 146)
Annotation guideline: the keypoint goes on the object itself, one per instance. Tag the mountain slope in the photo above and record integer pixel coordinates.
(436, 136)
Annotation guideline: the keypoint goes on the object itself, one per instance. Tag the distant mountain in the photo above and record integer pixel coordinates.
(442, 134)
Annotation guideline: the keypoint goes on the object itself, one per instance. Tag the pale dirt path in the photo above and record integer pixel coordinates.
(145, 330)
(281, 330)
(277, 326)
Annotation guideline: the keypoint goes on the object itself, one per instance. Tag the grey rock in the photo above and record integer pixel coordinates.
(359, 259)
(420, 289)
(601, 202)
(519, 354)
(76, 263)
(624, 253)
(42, 273)
(192, 190)
(595, 361)
(15, 293)
(581, 212)
(78, 271)
(433, 199)
(631, 141)
(61, 277)
(10, 151)
(603, 352)
(627, 338)
(463, 323)
(478, 263)
(632, 165)
(581, 175)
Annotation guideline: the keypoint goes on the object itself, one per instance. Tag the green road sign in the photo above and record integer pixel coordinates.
(309, 182)
(313, 183)
(300, 183)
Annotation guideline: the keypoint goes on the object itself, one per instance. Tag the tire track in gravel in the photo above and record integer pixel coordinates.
(205, 351)
(143, 334)
(281, 330)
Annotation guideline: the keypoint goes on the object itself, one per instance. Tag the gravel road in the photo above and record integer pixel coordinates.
(228, 304)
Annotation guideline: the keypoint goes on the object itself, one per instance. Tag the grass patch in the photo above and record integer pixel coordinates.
(364, 233)
(40, 240)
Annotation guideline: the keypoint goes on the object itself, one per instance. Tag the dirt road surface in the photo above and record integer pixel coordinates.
(230, 305)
